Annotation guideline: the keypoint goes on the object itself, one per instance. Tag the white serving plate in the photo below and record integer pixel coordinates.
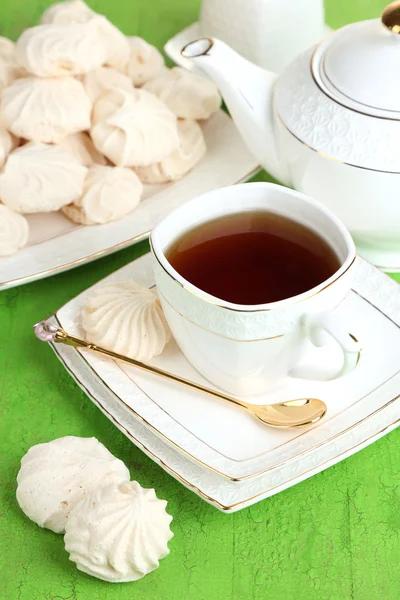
(188, 432)
(56, 244)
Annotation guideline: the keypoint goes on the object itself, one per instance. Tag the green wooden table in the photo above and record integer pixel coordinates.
(333, 537)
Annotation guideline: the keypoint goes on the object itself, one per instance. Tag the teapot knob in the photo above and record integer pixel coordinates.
(391, 17)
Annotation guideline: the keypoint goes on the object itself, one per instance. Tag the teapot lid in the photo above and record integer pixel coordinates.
(358, 66)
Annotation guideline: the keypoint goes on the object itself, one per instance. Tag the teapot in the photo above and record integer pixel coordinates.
(329, 125)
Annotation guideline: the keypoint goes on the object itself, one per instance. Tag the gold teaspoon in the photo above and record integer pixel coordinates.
(282, 415)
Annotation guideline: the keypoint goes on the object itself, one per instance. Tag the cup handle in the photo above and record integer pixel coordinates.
(318, 329)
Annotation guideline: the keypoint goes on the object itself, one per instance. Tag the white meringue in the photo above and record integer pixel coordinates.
(56, 475)
(187, 95)
(115, 44)
(45, 110)
(40, 178)
(7, 143)
(82, 148)
(133, 128)
(119, 532)
(191, 149)
(103, 79)
(7, 48)
(14, 231)
(9, 68)
(127, 318)
(109, 193)
(72, 11)
(75, 11)
(61, 50)
(145, 61)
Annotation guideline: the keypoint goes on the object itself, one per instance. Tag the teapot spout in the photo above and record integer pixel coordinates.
(248, 93)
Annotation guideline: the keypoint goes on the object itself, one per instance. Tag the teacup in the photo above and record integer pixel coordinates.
(248, 349)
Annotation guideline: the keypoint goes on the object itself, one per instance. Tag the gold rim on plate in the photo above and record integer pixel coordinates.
(190, 485)
(201, 462)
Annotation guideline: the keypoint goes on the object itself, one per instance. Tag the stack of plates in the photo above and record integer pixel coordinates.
(222, 453)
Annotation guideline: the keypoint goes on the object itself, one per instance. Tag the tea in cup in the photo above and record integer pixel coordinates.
(246, 275)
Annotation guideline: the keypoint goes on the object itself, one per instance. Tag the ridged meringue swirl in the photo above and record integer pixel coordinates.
(7, 49)
(61, 50)
(56, 475)
(191, 149)
(115, 43)
(186, 94)
(40, 178)
(127, 318)
(7, 143)
(145, 61)
(9, 68)
(72, 11)
(119, 532)
(82, 148)
(133, 128)
(99, 81)
(75, 11)
(109, 193)
(45, 110)
(14, 231)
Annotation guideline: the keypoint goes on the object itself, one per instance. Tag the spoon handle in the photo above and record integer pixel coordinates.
(47, 332)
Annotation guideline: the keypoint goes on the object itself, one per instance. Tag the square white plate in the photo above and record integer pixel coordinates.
(232, 445)
(225, 495)
(56, 244)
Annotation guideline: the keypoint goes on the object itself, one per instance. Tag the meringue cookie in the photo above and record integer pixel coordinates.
(99, 81)
(191, 149)
(56, 475)
(187, 95)
(82, 148)
(14, 231)
(40, 178)
(72, 11)
(7, 143)
(115, 43)
(109, 193)
(75, 11)
(7, 49)
(133, 128)
(9, 68)
(61, 50)
(145, 61)
(45, 110)
(127, 318)
(119, 532)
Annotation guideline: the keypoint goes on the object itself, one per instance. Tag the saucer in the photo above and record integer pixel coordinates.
(56, 244)
(218, 449)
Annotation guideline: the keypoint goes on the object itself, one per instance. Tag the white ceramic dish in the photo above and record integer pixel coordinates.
(56, 244)
(224, 455)
(225, 495)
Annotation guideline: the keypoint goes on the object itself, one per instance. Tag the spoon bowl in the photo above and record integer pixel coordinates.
(290, 414)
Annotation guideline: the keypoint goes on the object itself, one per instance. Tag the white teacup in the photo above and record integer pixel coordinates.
(248, 349)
